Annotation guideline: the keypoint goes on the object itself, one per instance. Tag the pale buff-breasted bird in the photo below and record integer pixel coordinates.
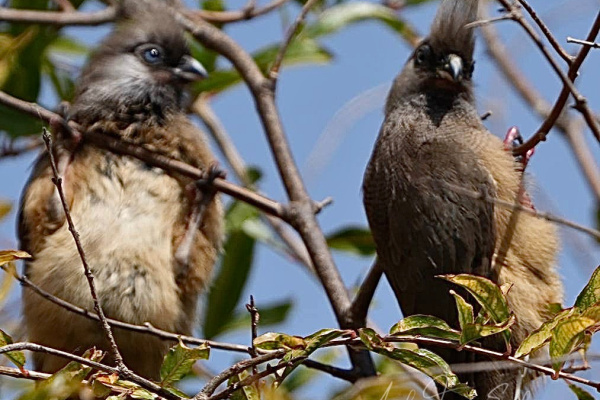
(431, 164)
(150, 254)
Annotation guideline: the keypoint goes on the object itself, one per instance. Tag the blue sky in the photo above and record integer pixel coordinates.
(367, 57)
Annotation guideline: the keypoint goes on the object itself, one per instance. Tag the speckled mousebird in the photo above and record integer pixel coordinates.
(151, 258)
(432, 154)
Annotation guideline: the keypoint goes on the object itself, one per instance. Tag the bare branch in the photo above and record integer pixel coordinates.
(59, 18)
(300, 211)
(247, 13)
(362, 301)
(151, 386)
(57, 180)
(146, 329)
(553, 42)
(583, 42)
(559, 105)
(529, 94)
(291, 33)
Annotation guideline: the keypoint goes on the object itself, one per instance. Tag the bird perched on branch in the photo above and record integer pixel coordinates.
(427, 191)
(151, 237)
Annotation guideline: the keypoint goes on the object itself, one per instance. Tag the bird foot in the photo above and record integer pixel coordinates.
(514, 139)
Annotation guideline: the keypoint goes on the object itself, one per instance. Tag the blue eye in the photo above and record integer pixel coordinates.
(152, 55)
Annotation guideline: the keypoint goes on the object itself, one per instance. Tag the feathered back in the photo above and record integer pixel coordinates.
(448, 30)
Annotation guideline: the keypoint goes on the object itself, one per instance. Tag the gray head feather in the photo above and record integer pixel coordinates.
(448, 32)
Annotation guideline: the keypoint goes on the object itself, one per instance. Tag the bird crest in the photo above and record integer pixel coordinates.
(449, 31)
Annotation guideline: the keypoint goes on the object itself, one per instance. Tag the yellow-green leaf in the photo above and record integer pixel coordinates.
(275, 341)
(487, 293)
(16, 357)
(249, 392)
(180, 359)
(425, 325)
(568, 335)
(465, 310)
(7, 256)
(580, 393)
(590, 294)
(542, 335)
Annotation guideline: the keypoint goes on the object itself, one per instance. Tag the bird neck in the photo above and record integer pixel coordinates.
(126, 101)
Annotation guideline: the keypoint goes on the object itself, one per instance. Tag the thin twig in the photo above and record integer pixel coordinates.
(145, 383)
(340, 373)
(23, 373)
(254, 318)
(559, 105)
(583, 42)
(58, 18)
(565, 123)
(293, 247)
(57, 180)
(291, 33)
(235, 369)
(245, 14)
(146, 328)
(121, 146)
(546, 31)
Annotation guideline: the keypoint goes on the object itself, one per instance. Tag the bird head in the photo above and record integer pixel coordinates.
(443, 60)
(142, 66)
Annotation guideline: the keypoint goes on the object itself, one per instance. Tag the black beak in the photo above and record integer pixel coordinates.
(190, 70)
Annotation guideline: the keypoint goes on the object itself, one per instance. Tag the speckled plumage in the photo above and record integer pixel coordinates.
(432, 156)
(131, 217)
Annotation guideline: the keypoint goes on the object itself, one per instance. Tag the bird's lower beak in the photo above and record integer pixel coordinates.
(453, 69)
(190, 70)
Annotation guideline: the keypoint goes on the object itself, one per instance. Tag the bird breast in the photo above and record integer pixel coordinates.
(124, 212)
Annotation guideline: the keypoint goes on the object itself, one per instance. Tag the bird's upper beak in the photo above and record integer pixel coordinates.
(190, 70)
(453, 68)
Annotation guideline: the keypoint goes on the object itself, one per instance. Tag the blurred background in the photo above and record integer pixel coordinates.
(330, 95)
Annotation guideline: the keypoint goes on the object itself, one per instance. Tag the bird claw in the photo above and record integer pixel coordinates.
(514, 139)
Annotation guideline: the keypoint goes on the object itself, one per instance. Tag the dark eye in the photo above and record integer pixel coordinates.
(152, 55)
(423, 54)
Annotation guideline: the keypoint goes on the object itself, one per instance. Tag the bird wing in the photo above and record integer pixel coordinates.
(422, 206)
(40, 212)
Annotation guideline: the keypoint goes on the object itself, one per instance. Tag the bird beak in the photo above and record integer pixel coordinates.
(190, 70)
(453, 68)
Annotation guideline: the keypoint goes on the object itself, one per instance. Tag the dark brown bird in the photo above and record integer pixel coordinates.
(432, 158)
(150, 256)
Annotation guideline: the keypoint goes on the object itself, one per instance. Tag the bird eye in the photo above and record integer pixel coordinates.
(152, 55)
(423, 54)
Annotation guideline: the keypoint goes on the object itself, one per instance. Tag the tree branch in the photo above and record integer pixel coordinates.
(59, 18)
(300, 209)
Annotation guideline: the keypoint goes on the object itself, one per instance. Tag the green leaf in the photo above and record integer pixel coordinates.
(16, 357)
(178, 362)
(355, 240)
(270, 314)
(487, 293)
(542, 335)
(425, 325)
(276, 341)
(567, 336)
(580, 393)
(337, 17)
(423, 360)
(590, 294)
